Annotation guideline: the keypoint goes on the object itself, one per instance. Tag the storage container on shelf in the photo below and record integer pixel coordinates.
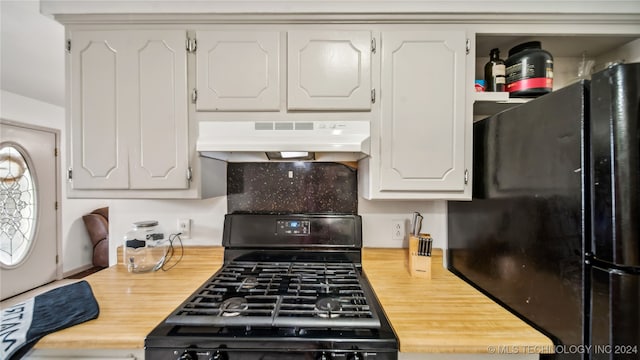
(529, 70)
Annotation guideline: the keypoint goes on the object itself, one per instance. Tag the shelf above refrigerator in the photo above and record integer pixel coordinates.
(489, 103)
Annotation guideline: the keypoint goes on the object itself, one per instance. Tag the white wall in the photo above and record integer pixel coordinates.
(32, 52)
(628, 53)
(377, 217)
(207, 219)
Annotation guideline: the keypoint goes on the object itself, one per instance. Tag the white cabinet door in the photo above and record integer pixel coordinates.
(129, 123)
(422, 131)
(98, 110)
(159, 151)
(238, 70)
(329, 70)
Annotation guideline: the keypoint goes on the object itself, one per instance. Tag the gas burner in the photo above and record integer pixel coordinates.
(327, 307)
(249, 282)
(233, 306)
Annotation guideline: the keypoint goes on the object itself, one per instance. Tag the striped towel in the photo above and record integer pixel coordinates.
(23, 324)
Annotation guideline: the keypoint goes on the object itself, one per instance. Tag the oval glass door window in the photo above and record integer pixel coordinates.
(17, 206)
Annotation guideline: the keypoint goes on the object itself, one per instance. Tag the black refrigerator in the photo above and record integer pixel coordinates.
(553, 230)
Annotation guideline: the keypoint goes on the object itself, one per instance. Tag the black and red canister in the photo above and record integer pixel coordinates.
(529, 70)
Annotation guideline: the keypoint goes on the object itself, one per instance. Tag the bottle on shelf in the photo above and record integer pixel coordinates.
(494, 72)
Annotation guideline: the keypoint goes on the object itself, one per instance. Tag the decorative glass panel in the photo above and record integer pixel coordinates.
(17, 206)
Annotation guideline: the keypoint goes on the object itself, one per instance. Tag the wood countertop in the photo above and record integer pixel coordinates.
(438, 315)
(444, 314)
(131, 305)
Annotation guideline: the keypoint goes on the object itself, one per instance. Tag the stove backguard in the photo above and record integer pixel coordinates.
(292, 231)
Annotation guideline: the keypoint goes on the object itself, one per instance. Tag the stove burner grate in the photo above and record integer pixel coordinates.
(281, 294)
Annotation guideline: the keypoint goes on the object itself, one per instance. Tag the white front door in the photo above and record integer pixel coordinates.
(28, 219)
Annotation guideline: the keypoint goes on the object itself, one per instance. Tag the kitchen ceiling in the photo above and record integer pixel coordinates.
(32, 52)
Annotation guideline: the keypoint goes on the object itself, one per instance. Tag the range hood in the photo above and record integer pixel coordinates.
(239, 141)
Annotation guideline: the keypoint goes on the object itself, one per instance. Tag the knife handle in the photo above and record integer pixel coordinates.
(414, 222)
(419, 263)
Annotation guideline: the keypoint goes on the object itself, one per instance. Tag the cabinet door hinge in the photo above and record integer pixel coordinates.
(55, 206)
(70, 174)
(57, 258)
(192, 45)
(373, 96)
(194, 96)
(55, 152)
(467, 46)
(68, 45)
(466, 176)
(373, 45)
(189, 173)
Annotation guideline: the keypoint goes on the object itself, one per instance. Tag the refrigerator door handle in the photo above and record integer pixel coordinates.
(590, 259)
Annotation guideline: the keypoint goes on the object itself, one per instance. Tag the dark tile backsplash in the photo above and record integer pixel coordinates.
(296, 187)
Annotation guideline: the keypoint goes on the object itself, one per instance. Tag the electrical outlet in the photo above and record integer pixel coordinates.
(397, 229)
(184, 228)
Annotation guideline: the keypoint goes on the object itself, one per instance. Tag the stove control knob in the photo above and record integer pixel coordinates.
(188, 355)
(219, 355)
(355, 356)
(324, 356)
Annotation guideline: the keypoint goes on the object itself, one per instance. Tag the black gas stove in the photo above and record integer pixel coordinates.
(291, 287)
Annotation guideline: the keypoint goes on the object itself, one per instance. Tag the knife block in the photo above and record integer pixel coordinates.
(419, 262)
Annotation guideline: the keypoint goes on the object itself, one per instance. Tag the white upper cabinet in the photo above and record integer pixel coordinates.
(238, 70)
(100, 160)
(423, 117)
(422, 150)
(329, 70)
(159, 150)
(129, 124)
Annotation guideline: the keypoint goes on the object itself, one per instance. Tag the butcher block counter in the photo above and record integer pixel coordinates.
(438, 315)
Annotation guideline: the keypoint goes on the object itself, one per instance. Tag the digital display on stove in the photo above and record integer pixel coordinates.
(293, 227)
